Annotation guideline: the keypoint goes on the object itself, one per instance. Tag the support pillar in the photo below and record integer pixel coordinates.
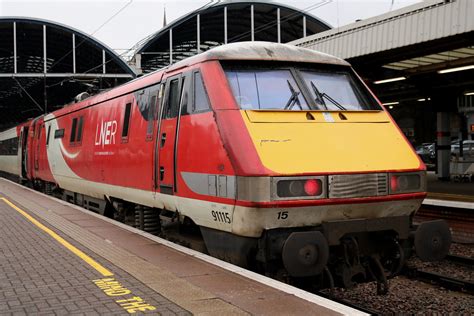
(443, 145)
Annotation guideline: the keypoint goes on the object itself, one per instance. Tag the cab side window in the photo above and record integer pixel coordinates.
(201, 100)
(172, 105)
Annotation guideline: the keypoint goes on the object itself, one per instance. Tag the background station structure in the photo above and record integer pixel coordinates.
(426, 51)
(221, 23)
(44, 65)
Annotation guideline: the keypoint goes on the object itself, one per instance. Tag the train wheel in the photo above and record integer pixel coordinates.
(392, 258)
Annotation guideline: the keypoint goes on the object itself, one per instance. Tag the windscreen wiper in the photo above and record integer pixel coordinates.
(319, 99)
(321, 95)
(294, 99)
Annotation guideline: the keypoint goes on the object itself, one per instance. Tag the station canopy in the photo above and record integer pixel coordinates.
(44, 65)
(224, 22)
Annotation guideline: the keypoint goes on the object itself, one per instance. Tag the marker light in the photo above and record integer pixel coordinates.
(407, 182)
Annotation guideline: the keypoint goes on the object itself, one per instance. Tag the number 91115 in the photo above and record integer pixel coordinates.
(222, 217)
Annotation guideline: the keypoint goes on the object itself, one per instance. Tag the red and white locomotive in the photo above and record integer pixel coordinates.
(279, 155)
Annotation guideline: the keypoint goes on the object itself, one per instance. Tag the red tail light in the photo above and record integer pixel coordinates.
(312, 187)
(393, 183)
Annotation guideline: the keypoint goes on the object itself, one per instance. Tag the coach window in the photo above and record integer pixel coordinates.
(79, 129)
(73, 130)
(48, 134)
(9, 147)
(154, 105)
(59, 133)
(201, 100)
(76, 130)
(126, 122)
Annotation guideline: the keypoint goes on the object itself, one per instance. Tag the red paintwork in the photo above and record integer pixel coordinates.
(213, 142)
(339, 201)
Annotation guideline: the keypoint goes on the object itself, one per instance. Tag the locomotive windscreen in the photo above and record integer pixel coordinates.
(298, 88)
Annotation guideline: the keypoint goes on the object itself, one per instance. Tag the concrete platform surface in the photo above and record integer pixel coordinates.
(57, 258)
(449, 190)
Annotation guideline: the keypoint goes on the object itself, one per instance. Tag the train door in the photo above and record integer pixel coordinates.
(167, 137)
(156, 100)
(30, 150)
(23, 152)
(36, 144)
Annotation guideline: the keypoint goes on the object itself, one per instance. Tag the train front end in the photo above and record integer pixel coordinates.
(335, 184)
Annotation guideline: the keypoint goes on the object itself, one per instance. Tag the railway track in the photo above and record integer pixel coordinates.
(465, 261)
(447, 282)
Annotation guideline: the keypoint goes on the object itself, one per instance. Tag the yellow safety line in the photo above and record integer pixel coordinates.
(460, 197)
(63, 242)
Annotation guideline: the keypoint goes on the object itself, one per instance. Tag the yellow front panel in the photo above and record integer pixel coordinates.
(363, 142)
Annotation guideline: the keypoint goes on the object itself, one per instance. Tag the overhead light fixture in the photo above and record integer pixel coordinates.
(444, 71)
(469, 93)
(390, 107)
(390, 80)
(423, 99)
(390, 103)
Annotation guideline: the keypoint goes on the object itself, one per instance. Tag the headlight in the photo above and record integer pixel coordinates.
(299, 188)
(407, 182)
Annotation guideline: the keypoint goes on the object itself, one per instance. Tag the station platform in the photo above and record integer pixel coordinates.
(449, 190)
(57, 258)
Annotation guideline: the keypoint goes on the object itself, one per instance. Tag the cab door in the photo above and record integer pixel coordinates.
(167, 136)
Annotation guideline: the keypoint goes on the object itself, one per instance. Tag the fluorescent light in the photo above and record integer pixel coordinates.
(469, 93)
(444, 71)
(391, 103)
(421, 100)
(390, 80)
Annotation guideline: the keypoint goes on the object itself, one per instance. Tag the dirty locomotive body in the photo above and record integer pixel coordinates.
(280, 157)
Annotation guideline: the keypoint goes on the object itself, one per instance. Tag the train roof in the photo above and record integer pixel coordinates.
(262, 51)
(245, 51)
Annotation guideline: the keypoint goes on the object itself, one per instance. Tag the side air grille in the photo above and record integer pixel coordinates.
(357, 185)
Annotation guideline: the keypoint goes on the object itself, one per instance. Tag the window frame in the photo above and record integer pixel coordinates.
(125, 138)
(165, 104)
(77, 128)
(193, 93)
(156, 91)
(354, 82)
(294, 74)
(360, 89)
(48, 135)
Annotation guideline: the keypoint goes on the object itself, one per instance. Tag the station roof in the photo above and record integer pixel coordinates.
(44, 64)
(414, 44)
(221, 23)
